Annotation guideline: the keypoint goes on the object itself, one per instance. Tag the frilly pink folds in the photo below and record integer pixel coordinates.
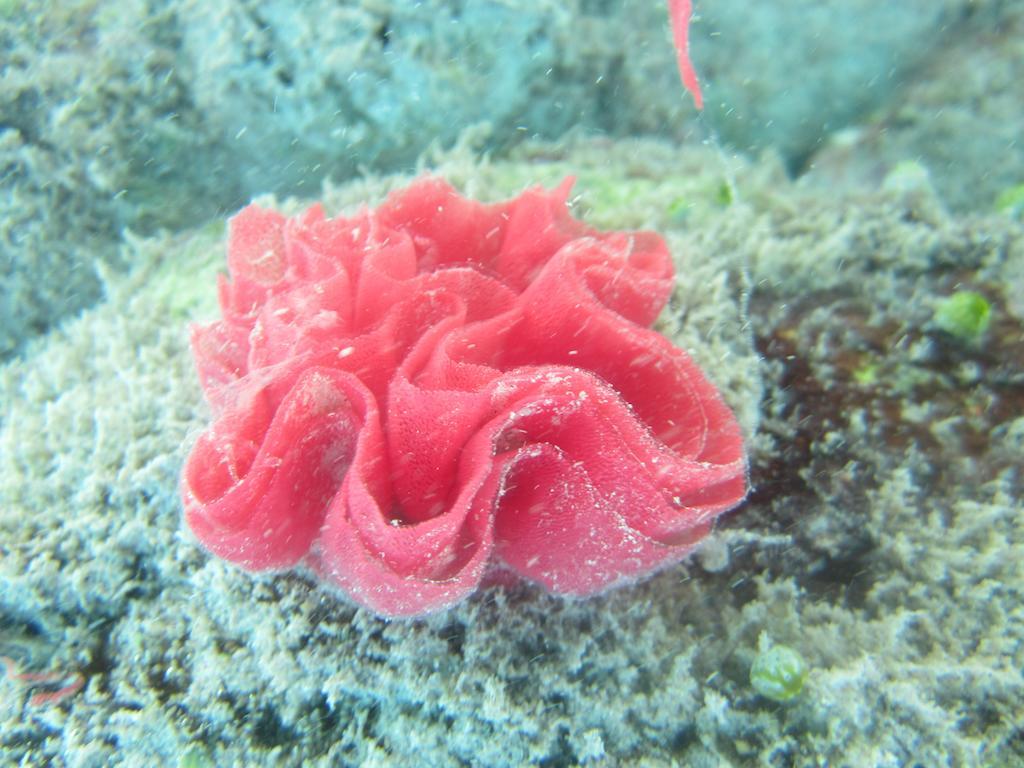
(410, 397)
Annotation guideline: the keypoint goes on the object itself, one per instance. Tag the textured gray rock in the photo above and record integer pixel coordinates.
(959, 117)
(788, 74)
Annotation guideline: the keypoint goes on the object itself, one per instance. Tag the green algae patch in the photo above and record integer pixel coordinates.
(195, 757)
(778, 672)
(1011, 201)
(866, 374)
(184, 278)
(965, 315)
(632, 184)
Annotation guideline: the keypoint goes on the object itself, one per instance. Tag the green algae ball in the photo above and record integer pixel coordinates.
(965, 314)
(778, 672)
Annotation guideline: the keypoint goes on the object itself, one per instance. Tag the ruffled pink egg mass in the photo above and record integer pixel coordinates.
(408, 398)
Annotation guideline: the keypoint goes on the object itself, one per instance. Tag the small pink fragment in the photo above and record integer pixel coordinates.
(410, 399)
(72, 683)
(45, 699)
(680, 11)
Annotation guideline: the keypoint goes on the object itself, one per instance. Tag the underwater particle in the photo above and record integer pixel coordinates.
(965, 315)
(778, 672)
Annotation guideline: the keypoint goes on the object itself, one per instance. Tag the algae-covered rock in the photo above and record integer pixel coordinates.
(881, 537)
